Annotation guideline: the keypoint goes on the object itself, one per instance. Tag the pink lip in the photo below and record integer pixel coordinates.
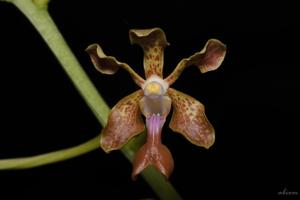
(153, 152)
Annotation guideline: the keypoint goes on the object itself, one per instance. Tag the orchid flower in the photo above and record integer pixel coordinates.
(154, 101)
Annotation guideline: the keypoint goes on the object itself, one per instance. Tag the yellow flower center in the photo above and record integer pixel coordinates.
(153, 88)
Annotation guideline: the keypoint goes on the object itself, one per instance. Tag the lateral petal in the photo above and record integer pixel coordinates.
(110, 65)
(208, 59)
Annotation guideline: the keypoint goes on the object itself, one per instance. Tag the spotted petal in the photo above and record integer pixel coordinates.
(189, 119)
(124, 122)
(153, 41)
(108, 64)
(208, 59)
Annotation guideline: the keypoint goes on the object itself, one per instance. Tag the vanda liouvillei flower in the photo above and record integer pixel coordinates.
(154, 101)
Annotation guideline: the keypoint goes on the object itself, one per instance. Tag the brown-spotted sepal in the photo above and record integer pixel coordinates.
(153, 41)
(189, 119)
(124, 122)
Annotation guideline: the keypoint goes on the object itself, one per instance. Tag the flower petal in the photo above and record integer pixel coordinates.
(189, 119)
(208, 59)
(109, 65)
(153, 152)
(153, 41)
(124, 122)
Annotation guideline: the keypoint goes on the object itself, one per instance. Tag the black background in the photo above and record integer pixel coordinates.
(252, 99)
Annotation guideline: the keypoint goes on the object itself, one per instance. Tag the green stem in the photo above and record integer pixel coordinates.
(36, 12)
(41, 20)
(48, 158)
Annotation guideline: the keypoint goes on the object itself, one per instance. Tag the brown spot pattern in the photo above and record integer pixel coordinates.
(153, 41)
(124, 122)
(189, 119)
(153, 61)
